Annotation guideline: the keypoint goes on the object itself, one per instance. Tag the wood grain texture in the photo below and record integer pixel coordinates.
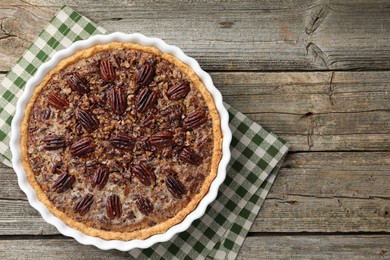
(311, 194)
(265, 247)
(60, 248)
(316, 111)
(229, 35)
(316, 247)
(329, 192)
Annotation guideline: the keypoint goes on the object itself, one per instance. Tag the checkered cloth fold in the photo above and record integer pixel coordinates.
(256, 155)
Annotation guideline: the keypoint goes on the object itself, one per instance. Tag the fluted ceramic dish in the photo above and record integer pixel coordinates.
(61, 226)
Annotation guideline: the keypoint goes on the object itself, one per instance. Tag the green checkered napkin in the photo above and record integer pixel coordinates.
(256, 155)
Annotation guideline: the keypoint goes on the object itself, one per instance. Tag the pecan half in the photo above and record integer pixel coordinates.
(194, 119)
(175, 187)
(107, 71)
(82, 147)
(162, 139)
(178, 91)
(56, 101)
(143, 174)
(189, 156)
(78, 83)
(122, 141)
(145, 75)
(53, 142)
(147, 121)
(88, 120)
(44, 114)
(146, 99)
(100, 177)
(113, 206)
(63, 182)
(145, 206)
(117, 101)
(84, 204)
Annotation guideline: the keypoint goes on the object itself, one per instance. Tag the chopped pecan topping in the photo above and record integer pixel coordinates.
(189, 156)
(82, 147)
(146, 145)
(78, 83)
(117, 101)
(122, 118)
(79, 129)
(100, 177)
(114, 206)
(122, 141)
(176, 151)
(145, 75)
(145, 206)
(56, 168)
(56, 101)
(116, 60)
(143, 174)
(146, 99)
(194, 119)
(162, 139)
(180, 137)
(84, 204)
(147, 121)
(127, 190)
(178, 91)
(175, 187)
(88, 120)
(107, 71)
(175, 119)
(53, 142)
(63, 182)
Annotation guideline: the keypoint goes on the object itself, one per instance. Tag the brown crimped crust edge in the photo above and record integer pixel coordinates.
(163, 226)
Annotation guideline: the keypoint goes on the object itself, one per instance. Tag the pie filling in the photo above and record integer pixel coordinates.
(121, 140)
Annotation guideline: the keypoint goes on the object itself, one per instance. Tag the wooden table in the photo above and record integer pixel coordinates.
(316, 73)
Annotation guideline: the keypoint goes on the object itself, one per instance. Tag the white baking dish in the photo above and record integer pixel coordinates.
(46, 214)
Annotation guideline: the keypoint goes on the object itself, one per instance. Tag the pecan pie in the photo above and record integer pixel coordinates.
(121, 141)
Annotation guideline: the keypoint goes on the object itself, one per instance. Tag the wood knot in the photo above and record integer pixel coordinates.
(319, 57)
(226, 24)
(308, 114)
(316, 17)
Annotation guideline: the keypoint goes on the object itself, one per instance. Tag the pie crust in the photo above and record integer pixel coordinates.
(144, 230)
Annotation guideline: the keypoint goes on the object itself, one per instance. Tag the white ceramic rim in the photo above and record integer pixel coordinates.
(71, 232)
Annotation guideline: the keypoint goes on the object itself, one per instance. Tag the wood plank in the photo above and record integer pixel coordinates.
(9, 185)
(61, 248)
(316, 247)
(305, 92)
(229, 35)
(329, 192)
(313, 214)
(21, 218)
(314, 192)
(334, 175)
(268, 247)
(315, 111)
